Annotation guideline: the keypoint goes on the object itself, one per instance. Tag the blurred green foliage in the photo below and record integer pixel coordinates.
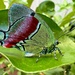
(2, 5)
(47, 8)
(25, 2)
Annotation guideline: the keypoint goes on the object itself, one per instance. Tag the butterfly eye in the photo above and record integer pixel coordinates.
(32, 14)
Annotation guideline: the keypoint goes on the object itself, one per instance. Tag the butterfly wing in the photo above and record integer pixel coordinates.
(43, 38)
(17, 11)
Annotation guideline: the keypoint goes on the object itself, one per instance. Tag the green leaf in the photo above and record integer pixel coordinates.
(17, 1)
(3, 19)
(25, 2)
(45, 62)
(72, 69)
(73, 0)
(64, 5)
(29, 2)
(68, 18)
(58, 71)
(2, 6)
(46, 7)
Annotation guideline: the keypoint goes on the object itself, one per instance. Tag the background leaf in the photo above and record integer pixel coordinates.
(68, 18)
(2, 6)
(29, 2)
(3, 19)
(25, 2)
(46, 7)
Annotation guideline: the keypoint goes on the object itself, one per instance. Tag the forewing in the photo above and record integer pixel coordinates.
(15, 26)
(16, 11)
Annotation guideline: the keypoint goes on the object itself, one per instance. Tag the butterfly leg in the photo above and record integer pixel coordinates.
(53, 49)
(59, 50)
(38, 57)
(55, 54)
(56, 48)
(44, 51)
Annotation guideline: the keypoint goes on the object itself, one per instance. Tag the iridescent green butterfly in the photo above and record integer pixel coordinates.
(41, 41)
